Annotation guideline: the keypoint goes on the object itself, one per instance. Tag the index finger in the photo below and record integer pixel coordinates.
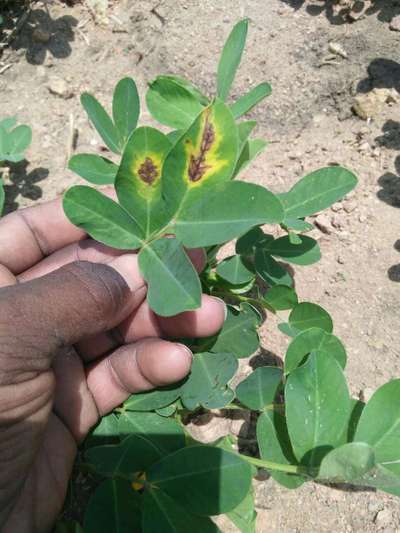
(29, 235)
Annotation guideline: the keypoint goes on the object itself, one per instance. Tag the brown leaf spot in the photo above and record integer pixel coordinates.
(197, 165)
(148, 171)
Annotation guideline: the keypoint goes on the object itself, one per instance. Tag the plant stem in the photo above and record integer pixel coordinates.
(269, 465)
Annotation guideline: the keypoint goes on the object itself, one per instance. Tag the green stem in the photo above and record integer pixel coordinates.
(269, 465)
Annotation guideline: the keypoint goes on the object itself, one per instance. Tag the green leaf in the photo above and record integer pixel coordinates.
(356, 408)
(189, 86)
(350, 461)
(246, 102)
(2, 196)
(161, 514)
(251, 149)
(230, 58)
(113, 507)
(173, 283)
(379, 425)
(134, 454)
(244, 130)
(163, 433)
(308, 315)
(68, 526)
(175, 135)
(106, 432)
(102, 218)
(138, 182)
(101, 122)
(213, 220)
(317, 191)
(274, 445)
(297, 224)
(168, 410)
(155, 399)
(286, 329)
(93, 168)
(207, 382)
(8, 122)
(305, 253)
(294, 238)
(126, 108)
(248, 242)
(204, 156)
(310, 340)
(239, 333)
(204, 480)
(19, 139)
(317, 408)
(171, 103)
(270, 270)
(259, 389)
(234, 270)
(281, 297)
(244, 516)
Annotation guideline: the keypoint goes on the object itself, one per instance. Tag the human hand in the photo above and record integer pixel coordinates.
(77, 338)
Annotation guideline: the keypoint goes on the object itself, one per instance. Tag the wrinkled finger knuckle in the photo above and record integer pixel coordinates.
(103, 289)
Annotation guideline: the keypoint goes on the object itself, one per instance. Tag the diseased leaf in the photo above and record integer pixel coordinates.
(305, 253)
(246, 102)
(173, 283)
(206, 385)
(230, 58)
(102, 218)
(346, 463)
(163, 433)
(259, 389)
(317, 408)
(270, 270)
(310, 340)
(239, 333)
(115, 507)
(317, 191)
(274, 445)
(205, 480)
(163, 514)
(101, 122)
(138, 182)
(93, 168)
(203, 157)
(211, 219)
(234, 270)
(171, 103)
(126, 108)
(281, 297)
(307, 315)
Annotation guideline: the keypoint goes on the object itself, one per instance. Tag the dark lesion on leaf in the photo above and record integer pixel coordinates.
(148, 171)
(197, 164)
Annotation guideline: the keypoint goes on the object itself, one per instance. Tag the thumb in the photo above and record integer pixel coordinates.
(81, 299)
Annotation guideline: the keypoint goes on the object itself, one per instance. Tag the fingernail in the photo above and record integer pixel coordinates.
(187, 350)
(127, 266)
(224, 304)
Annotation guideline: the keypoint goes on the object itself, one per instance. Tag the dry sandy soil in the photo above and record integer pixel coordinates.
(310, 122)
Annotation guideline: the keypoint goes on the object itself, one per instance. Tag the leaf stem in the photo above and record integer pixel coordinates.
(269, 465)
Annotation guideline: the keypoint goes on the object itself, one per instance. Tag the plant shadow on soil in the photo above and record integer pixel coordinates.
(42, 35)
(384, 9)
(24, 183)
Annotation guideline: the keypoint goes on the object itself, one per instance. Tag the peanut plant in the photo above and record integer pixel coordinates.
(175, 191)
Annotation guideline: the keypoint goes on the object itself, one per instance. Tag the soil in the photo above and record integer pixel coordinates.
(310, 123)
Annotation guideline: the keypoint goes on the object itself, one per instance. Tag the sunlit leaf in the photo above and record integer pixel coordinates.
(206, 385)
(138, 182)
(173, 283)
(102, 218)
(155, 399)
(346, 463)
(281, 297)
(102, 122)
(251, 149)
(317, 191)
(307, 315)
(305, 253)
(230, 58)
(93, 168)
(317, 405)
(270, 270)
(126, 108)
(212, 219)
(310, 340)
(246, 102)
(259, 388)
(234, 270)
(244, 515)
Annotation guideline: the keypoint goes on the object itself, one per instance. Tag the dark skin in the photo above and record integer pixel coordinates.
(77, 338)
